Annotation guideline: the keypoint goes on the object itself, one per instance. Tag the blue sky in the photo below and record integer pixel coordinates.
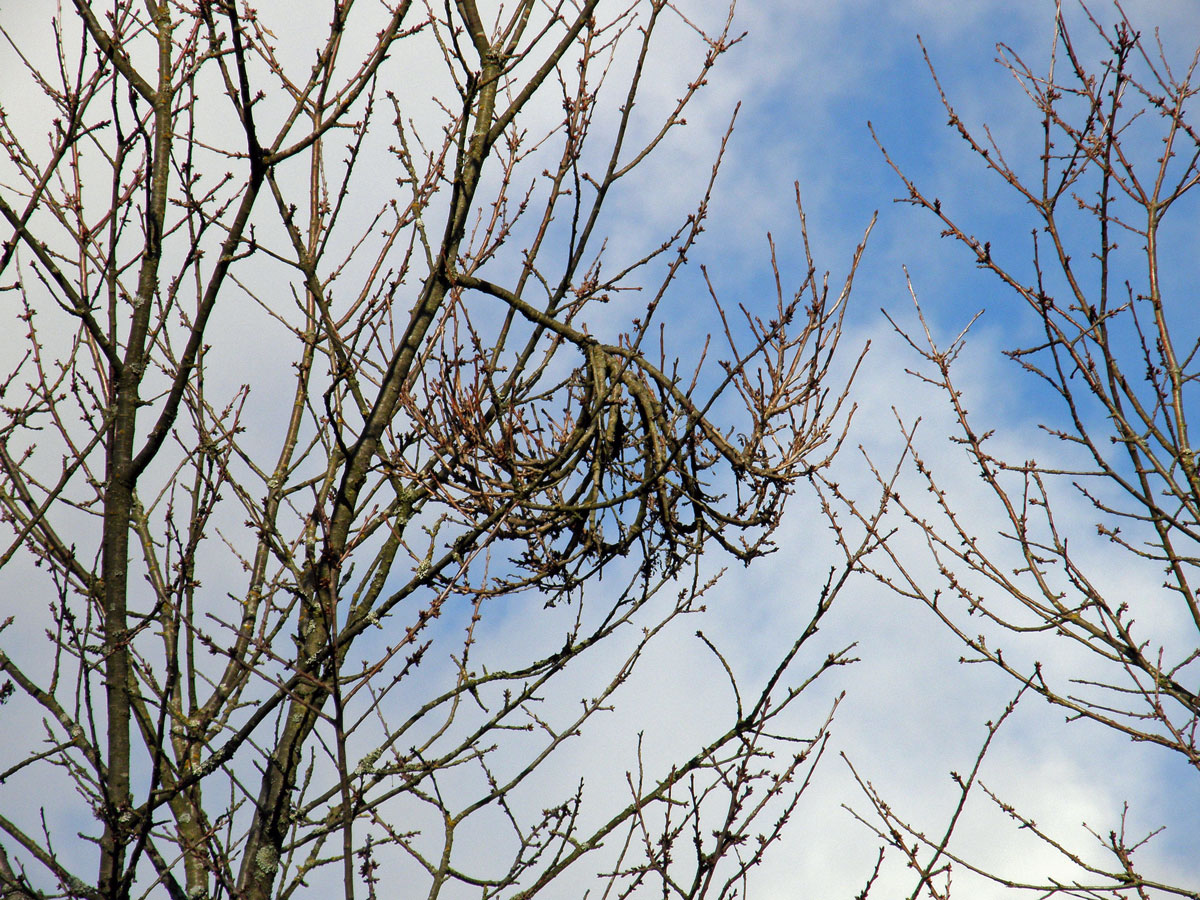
(810, 80)
(810, 76)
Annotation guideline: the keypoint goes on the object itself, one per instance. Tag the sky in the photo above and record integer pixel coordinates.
(812, 83)
(811, 77)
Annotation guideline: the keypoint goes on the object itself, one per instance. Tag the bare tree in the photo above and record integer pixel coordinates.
(302, 409)
(1114, 368)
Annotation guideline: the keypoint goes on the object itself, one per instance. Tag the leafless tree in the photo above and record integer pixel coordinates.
(1110, 191)
(302, 412)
